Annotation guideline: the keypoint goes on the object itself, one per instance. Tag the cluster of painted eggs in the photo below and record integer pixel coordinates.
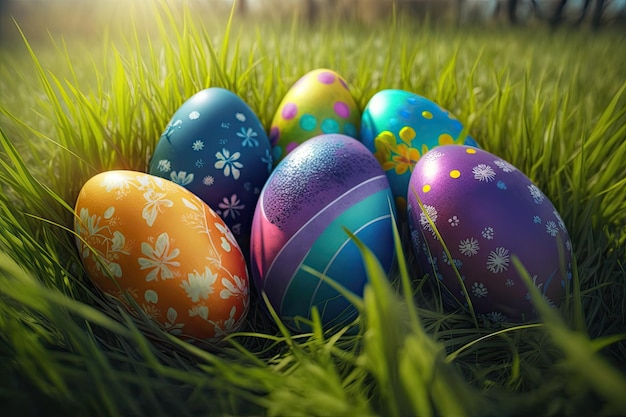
(221, 195)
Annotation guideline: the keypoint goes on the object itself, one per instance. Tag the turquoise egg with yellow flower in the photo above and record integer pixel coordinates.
(399, 127)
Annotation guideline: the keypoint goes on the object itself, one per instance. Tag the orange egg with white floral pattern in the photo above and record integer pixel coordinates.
(167, 249)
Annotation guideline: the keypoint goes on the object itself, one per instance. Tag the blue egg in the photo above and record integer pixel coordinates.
(399, 127)
(216, 147)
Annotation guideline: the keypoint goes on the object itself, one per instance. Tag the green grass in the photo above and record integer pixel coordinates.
(553, 104)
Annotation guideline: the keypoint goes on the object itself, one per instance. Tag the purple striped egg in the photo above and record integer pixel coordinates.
(326, 184)
(486, 212)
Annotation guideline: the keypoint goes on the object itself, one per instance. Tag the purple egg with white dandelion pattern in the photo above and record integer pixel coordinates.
(486, 212)
(326, 185)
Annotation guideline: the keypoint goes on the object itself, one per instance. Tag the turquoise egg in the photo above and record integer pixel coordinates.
(399, 126)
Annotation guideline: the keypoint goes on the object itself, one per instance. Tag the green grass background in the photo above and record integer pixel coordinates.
(551, 103)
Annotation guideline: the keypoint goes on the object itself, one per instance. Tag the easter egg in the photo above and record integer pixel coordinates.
(166, 248)
(328, 183)
(399, 127)
(318, 103)
(216, 147)
(486, 212)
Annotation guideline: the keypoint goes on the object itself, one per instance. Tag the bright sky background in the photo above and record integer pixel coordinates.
(572, 4)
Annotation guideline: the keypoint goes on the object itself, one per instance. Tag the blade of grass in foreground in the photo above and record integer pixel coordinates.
(580, 352)
(412, 376)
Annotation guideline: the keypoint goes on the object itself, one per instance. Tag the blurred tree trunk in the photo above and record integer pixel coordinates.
(558, 13)
(511, 11)
(596, 19)
(310, 10)
(242, 7)
(583, 12)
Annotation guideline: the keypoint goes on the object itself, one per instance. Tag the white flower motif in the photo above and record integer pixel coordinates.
(151, 296)
(110, 267)
(231, 206)
(155, 202)
(445, 259)
(199, 163)
(151, 310)
(239, 289)
(248, 137)
(487, 233)
(181, 177)
(228, 163)
(118, 242)
(504, 166)
(199, 284)
(536, 194)
(267, 159)
(171, 126)
(559, 220)
(509, 283)
(164, 165)
(91, 222)
(469, 247)
(114, 181)
(479, 290)
(454, 221)
(457, 263)
(228, 326)
(432, 156)
(159, 258)
(241, 117)
(431, 213)
(551, 228)
(146, 182)
(548, 300)
(483, 172)
(537, 220)
(226, 232)
(208, 180)
(568, 245)
(170, 325)
(197, 145)
(225, 244)
(194, 115)
(199, 310)
(498, 260)
(415, 240)
(496, 317)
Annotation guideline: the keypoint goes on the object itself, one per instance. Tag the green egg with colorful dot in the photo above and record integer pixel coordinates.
(399, 127)
(318, 103)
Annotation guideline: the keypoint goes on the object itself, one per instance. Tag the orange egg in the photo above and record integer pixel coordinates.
(164, 246)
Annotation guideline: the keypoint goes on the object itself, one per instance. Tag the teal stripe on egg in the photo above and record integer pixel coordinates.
(335, 255)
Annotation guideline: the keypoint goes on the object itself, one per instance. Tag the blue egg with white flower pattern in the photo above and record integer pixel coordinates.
(216, 147)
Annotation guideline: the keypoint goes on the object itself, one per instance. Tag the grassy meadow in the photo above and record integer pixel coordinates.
(551, 103)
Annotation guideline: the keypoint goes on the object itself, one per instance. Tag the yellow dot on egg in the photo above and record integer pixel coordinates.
(427, 115)
(407, 134)
(455, 173)
(445, 139)
(470, 150)
(426, 188)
